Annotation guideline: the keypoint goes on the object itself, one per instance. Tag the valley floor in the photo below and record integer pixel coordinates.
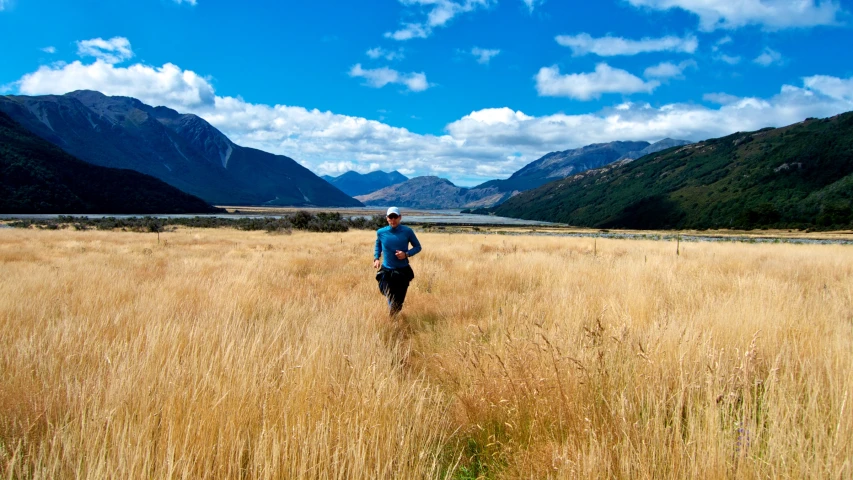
(221, 354)
(449, 221)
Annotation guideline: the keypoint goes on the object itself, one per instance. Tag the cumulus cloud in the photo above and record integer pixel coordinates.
(190, 2)
(50, 49)
(720, 98)
(667, 70)
(770, 14)
(379, 77)
(114, 50)
(768, 57)
(166, 85)
(485, 144)
(730, 59)
(409, 31)
(390, 55)
(722, 57)
(532, 4)
(586, 86)
(719, 43)
(583, 44)
(336, 168)
(818, 98)
(440, 12)
(832, 87)
(484, 55)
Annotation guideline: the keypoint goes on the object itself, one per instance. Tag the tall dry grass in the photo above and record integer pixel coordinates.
(223, 354)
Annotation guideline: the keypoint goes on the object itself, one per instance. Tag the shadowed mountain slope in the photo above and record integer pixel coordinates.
(183, 150)
(39, 177)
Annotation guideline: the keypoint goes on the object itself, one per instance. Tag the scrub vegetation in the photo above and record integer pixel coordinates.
(284, 223)
(245, 354)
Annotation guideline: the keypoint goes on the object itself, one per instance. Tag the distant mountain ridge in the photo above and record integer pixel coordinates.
(181, 149)
(799, 176)
(434, 192)
(568, 162)
(354, 183)
(36, 176)
(428, 192)
(654, 148)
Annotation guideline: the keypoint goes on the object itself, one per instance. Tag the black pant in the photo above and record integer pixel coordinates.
(394, 283)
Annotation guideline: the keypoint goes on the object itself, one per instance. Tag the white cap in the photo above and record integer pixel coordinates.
(393, 210)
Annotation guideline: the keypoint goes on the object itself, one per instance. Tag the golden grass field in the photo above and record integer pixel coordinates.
(228, 354)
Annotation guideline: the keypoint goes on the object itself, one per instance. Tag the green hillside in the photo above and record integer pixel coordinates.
(799, 176)
(39, 177)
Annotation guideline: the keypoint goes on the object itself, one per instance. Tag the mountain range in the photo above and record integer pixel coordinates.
(424, 193)
(39, 177)
(182, 150)
(354, 183)
(799, 176)
(436, 193)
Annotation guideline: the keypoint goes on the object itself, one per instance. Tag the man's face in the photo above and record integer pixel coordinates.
(393, 220)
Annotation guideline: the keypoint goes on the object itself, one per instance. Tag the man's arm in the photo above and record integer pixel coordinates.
(416, 245)
(377, 251)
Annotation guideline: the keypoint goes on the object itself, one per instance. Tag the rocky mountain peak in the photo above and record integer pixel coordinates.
(354, 183)
(200, 134)
(561, 164)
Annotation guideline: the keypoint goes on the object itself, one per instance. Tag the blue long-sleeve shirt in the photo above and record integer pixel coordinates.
(389, 240)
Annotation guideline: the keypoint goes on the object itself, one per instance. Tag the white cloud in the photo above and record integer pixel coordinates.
(484, 144)
(337, 168)
(390, 55)
(409, 31)
(484, 55)
(439, 14)
(731, 60)
(50, 49)
(114, 50)
(191, 2)
(416, 82)
(832, 87)
(719, 56)
(768, 57)
(166, 85)
(723, 41)
(379, 77)
(669, 70)
(827, 96)
(586, 86)
(583, 44)
(720, 98)
(532, 4)
(770, 14)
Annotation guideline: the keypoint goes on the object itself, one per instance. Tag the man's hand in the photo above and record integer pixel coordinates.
(401, 254)
(376, 264)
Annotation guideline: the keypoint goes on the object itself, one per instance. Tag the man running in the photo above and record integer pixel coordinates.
(392, 244)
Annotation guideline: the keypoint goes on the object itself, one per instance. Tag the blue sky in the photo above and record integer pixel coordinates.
(469, 90)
